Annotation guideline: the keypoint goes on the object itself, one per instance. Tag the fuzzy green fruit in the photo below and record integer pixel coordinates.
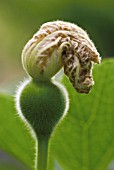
(42, 104)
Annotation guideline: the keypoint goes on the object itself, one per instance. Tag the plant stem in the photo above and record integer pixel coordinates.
(42, 153)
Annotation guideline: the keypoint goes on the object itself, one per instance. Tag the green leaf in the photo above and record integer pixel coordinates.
(8, 162)
(85, 138)
(14, 137)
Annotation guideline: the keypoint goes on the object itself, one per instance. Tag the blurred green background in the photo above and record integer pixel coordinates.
(20, 19)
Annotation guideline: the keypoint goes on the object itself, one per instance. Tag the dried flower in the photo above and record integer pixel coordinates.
(61, 44)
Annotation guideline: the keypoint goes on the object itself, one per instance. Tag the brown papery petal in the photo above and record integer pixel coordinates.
(61, 44)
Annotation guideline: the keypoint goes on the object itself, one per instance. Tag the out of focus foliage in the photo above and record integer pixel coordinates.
(84, 140)
(20, 19)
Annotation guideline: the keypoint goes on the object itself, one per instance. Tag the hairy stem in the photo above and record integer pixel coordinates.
(42, 153)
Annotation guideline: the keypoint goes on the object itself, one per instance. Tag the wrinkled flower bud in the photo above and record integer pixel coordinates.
(61, 44)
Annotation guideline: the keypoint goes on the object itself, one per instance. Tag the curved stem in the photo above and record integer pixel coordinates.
(42, 153)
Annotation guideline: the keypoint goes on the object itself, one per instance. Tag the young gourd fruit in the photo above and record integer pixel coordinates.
(42, 104)
(41, 101)
(56, 45)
